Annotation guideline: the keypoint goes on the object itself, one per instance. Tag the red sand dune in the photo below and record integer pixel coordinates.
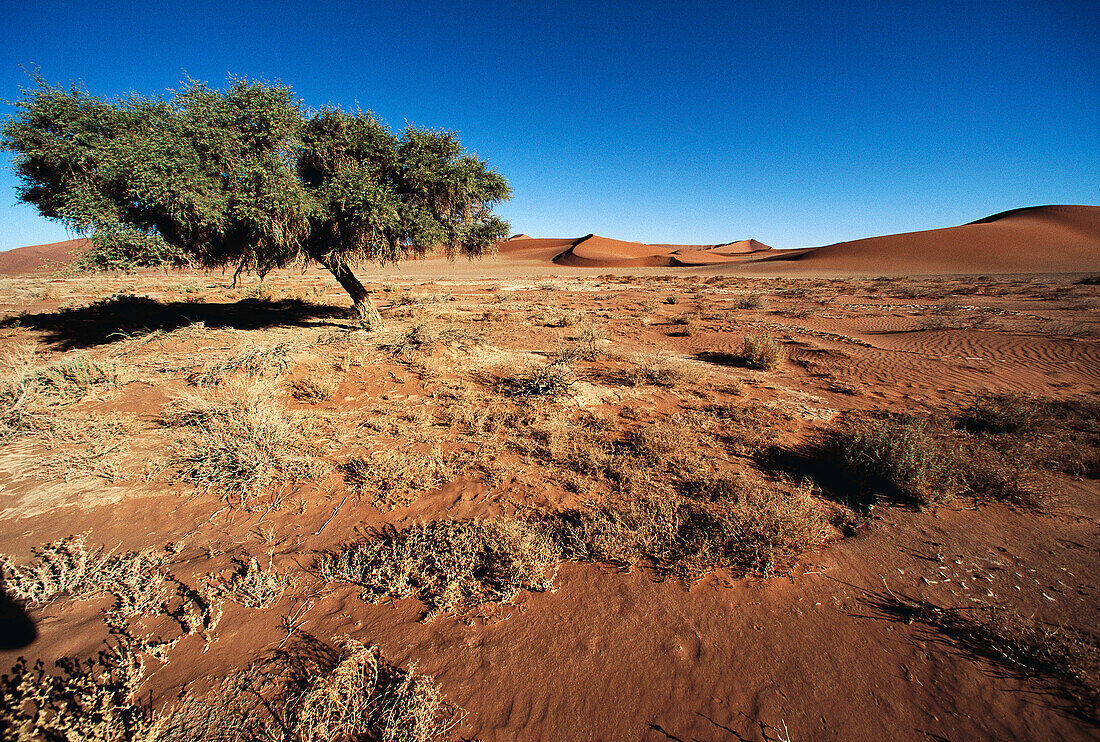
(40, 257)
(597, 252)
(592, 251)
(1041, 239)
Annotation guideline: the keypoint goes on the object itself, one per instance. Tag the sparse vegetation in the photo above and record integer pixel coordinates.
(240, 442)
(28, 394)
(447, 564)
(249, 584)
(901, 458)
(762, 352)
(747, 529)
(749, 301)
(543, 380)
(392, 476)
(256, 361)
(69, 568)
(654, 370)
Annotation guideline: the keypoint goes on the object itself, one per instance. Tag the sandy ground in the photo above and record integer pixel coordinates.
(817, 650)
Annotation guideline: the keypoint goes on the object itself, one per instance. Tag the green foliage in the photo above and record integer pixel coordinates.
(125, 250)
(247, 177)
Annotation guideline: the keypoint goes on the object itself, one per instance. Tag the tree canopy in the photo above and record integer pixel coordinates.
(247, 177)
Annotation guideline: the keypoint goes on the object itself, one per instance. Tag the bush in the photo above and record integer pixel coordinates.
(749, 301)
(903, 457)
(747, 529)
(762, 352)
(91, 701)
(240, 443)
(446, 564)
(548, 380)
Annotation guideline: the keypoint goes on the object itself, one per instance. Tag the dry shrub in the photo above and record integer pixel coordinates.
(392, 477)
(417, 339)
(562, 319)
(653, 444)
(256, 361)
(313, 390)
(683, 319)
(240, 442)
(138, 581)
(546, 380)
(420, 339)
(311, 692)
(250, 584)
(748, 428)
(69, 568)
(1003, 413)
(28, 395)
(1031, 432)
(749, 301)
(904, 457)
(762, 352)
(747, 529)
(447, 564)
(589, 341)
(654, 370)
(95, 700)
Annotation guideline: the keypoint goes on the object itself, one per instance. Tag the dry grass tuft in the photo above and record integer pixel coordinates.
(240, 442)
(250, 584)
(256, 361)
(747, 529)
(447, 564)
(392, 477)
(29, 394)
(762, 352)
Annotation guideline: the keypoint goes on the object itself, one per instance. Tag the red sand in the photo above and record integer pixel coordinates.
(1043, 239)
(39, 257)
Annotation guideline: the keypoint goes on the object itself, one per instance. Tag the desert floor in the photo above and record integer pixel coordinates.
(653, 536)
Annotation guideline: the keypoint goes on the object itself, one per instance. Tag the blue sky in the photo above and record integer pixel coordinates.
(792, 122)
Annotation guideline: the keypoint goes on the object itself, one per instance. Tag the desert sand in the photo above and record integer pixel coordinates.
(856, 632)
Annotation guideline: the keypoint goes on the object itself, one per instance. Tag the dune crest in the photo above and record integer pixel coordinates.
(1042, 239)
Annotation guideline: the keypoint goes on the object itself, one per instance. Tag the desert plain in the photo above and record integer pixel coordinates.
(583, 489)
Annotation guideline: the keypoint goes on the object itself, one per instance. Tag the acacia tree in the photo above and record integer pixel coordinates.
(249, 178)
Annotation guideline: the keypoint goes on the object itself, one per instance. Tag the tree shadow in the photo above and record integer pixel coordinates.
(734, 360)
(16, 627)
(109, 320)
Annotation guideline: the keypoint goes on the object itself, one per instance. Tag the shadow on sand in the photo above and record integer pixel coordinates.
(113, 319)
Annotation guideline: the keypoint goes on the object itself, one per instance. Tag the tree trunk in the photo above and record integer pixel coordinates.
(364, 308)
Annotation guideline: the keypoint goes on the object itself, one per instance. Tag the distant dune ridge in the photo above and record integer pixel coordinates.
(40, 257)
(1039, 239)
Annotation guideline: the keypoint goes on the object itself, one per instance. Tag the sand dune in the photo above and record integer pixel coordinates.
(39, 257)
(593, 251)
(1042, 239)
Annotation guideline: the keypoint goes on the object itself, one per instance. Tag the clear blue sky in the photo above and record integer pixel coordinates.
(795, 123)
